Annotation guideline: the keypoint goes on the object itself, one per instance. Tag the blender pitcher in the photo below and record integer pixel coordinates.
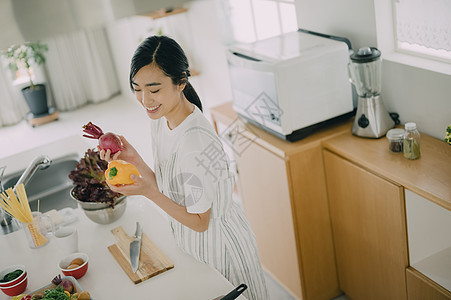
(372, 119)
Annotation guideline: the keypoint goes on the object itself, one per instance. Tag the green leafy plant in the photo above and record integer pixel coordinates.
(88, 179)
(448, 135)
(24, 55)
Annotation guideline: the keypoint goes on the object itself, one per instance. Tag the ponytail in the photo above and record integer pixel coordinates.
(191, 95)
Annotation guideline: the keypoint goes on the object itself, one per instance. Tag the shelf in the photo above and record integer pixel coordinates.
(34, 121)
(161, 13)
(194, 73)
(437, 267)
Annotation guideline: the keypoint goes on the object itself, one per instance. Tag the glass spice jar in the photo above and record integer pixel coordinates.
(395, 139)
(411, 143)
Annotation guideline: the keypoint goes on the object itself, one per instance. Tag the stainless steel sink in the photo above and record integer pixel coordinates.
(50, 186)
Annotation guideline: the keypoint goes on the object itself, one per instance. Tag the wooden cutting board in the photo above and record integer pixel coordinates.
(152, 260)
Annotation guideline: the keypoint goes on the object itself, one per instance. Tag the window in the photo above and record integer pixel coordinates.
(251, 20)
(415, 33)
(424, 27)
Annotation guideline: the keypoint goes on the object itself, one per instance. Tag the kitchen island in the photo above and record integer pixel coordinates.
(105, 279)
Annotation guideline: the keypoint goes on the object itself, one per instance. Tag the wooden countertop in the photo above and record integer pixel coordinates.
(428, 176)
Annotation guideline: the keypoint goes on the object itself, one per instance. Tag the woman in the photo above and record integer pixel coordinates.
(191, 183)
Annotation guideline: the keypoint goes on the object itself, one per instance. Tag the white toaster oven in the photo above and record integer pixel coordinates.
(291, 84)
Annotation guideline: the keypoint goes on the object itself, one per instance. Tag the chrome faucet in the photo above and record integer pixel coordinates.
(40, 162)
(5, 219)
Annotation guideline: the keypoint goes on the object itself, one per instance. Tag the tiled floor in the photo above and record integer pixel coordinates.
(276, 292)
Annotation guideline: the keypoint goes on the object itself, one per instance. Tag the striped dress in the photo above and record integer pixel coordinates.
(191, 169)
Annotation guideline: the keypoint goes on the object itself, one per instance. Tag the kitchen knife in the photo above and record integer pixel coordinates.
(135, 247)
(234, 293)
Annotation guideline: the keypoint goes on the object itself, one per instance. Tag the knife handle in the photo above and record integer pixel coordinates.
(138, 230)
(235, 293)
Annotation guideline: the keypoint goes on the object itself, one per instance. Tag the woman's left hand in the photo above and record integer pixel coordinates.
(145, 184)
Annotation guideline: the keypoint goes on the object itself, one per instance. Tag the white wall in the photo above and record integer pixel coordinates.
(209, 52)
(417, 95)
(353, 19)
(10, 33)
(197, 31)
(124, 36)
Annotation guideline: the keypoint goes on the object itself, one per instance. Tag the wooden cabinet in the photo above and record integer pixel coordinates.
(284, 195)
(390, 218)
(367, 214)
(266, 200)
(329, 212)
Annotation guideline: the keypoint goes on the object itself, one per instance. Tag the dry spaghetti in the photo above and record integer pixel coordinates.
(16, 204)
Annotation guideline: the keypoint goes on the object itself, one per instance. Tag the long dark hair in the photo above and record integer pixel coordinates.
(170, 58)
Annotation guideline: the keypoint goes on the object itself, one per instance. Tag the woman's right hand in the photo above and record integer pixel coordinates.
(128, 154)
(145, 184)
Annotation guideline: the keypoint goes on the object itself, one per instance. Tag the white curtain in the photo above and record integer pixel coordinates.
(424, 22)
(80, 70)
(12, 104)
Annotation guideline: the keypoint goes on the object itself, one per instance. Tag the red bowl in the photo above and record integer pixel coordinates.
(9, 269)
(75, 272)
(16, 289)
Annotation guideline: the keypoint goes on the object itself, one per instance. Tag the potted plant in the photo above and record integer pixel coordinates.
(23, 56)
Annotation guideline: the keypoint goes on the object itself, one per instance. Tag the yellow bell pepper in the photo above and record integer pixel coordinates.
(119, 172)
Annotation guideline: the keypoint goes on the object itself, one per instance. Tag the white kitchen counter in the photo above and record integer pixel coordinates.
(105, 279)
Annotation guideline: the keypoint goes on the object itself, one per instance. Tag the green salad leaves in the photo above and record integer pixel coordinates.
(89, 179)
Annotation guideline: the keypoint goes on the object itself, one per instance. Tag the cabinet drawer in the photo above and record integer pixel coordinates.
(419, 287)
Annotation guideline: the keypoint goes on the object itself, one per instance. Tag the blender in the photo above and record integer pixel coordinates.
(372, 120)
